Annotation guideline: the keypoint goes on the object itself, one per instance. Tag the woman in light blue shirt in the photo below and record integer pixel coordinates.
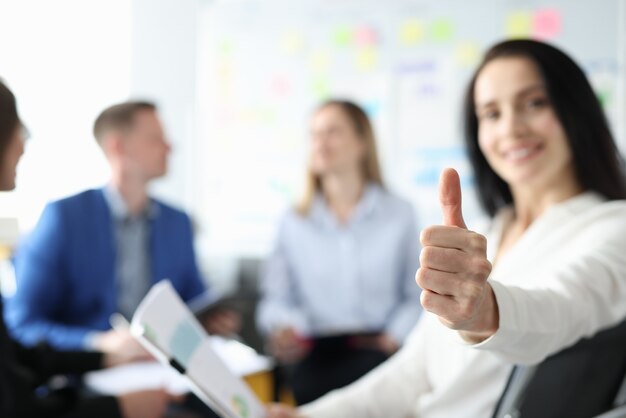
(339, 294)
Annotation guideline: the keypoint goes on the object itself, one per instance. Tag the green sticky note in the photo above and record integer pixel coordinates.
(226, 47)
(342, 37)
(442, 30)
(321, 88)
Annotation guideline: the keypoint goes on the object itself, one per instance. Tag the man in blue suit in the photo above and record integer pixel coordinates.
(99, 252)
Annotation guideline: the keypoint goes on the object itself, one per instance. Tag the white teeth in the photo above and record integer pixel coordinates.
(518, 154)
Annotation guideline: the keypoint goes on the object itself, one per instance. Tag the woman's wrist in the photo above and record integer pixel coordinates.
(488, 320)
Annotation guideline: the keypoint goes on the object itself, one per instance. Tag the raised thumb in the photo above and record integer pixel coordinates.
(450, 198)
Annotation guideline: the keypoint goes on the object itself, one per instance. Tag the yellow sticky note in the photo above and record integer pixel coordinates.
(320, 61)
(467, 54)
(292, 42)
(366, 59)
(518, 25)
(411, 32)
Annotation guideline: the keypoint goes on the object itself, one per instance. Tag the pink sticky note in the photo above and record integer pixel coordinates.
(280, 85)
(547, 23)
(365, 36)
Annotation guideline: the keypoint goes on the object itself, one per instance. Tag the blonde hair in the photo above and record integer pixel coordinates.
(370, 165)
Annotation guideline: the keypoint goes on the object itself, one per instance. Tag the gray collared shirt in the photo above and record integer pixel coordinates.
(132, 248)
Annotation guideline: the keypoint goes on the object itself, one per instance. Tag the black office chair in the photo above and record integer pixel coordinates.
(583, 381)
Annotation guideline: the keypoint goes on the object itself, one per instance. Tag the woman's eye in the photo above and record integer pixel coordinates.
(489, 115)
(536, 103)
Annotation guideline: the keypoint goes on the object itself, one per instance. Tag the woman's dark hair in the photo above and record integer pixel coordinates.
(597, 162)
(9, 120)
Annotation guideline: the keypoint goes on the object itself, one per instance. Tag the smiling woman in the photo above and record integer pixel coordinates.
(551, 98)
(548, 271)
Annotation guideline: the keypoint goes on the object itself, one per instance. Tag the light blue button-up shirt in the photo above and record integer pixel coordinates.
(132, 234)
(325, 277)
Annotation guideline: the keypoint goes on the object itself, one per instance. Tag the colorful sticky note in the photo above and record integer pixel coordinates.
(442, 30)
(321, 88)
(342, 36)
(266, 115)
(518, 25)
(226, 46)
(411, 32)
(292, 42)
(366, 59)
(280, 85)
(546, 24)
(225, 68)
(467, 54)
(320, 61)
(365, 36)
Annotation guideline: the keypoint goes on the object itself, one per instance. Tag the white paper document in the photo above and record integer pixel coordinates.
(135, 377)
(168, 330)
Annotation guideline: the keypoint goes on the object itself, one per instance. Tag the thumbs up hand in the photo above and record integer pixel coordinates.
(454, 269)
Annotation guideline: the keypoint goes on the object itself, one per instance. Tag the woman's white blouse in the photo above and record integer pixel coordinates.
(563, 280)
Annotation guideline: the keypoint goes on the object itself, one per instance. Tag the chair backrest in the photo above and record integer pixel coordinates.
(581, 381)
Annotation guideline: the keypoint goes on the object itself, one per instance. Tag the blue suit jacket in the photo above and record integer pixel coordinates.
(65, 269)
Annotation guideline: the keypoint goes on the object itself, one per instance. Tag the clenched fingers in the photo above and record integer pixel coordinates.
(454, 237)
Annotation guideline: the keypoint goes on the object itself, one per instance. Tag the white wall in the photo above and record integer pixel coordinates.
(163, 69)
(164, 47)
(65, 60)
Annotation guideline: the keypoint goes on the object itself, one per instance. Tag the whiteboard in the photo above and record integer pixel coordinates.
(263, 66)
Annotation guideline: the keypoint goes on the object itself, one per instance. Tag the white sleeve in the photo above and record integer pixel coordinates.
(575, 301)
(390, 390)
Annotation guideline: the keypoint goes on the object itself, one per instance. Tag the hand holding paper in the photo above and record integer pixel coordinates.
(169, 330)
(120, 347)
(287, 346)
(454, 269)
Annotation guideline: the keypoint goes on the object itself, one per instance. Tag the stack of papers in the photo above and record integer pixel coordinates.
(208, 366)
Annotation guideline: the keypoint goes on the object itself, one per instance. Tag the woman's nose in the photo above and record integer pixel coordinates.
(513, 124)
